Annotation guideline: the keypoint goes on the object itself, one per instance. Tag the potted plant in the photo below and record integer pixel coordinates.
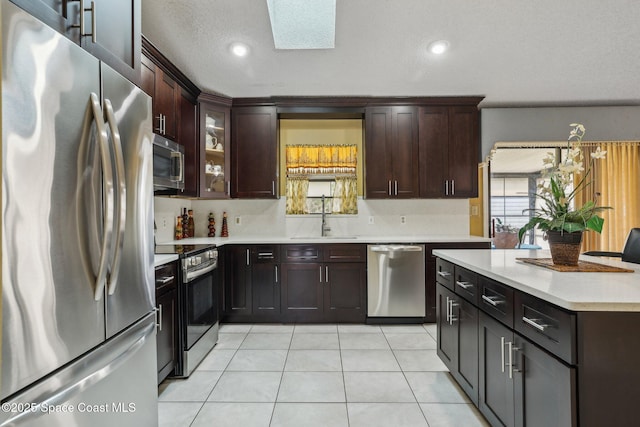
(562, 222)
(505, 236)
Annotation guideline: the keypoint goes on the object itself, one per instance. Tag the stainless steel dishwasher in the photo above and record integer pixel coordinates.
(395, 280)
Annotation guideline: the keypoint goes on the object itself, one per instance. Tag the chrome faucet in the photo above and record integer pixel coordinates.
(325, 227)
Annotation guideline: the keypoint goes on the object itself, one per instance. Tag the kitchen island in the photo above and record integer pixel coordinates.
(533, 346)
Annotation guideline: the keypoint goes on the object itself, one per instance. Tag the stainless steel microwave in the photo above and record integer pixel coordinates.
(168, 164)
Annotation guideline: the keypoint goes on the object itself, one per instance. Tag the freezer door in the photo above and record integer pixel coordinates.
(51, 201)
(113, 385)
(131, 286)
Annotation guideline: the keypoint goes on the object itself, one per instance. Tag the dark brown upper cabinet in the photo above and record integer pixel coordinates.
(449, 151)
(111, 29)
(254, 152)
(166, 98)
(391, 152)
(214, 147)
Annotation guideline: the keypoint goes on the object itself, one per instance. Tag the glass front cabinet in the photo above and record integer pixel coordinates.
(215, 153)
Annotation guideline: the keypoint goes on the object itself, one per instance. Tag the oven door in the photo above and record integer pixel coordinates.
(168, 164)
(201, 308)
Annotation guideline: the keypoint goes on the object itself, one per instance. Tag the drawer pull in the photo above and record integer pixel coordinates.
(165, 280)
(494, 301)
(464, 285)
(444, 274)
(532, 322)
(265, 255)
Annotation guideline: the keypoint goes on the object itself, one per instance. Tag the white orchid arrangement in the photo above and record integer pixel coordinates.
(557, 193)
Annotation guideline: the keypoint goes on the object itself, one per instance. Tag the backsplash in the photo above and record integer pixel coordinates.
(267, 218)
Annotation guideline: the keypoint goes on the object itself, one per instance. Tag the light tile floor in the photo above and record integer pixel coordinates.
(319, 375)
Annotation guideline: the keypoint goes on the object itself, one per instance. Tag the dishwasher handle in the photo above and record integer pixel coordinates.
(396, 248)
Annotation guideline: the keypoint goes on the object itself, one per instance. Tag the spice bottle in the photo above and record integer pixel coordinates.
(190, 224)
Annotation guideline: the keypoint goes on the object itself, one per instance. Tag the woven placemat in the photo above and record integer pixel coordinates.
(582, 267)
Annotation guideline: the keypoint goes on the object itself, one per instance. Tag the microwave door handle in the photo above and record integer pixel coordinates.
(179, 177)
(108, 197)
(120, 208)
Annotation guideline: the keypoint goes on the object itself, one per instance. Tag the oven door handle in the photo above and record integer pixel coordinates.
(190, 275)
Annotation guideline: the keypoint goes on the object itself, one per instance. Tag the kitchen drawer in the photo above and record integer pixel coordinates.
(345, 252)
(301, 253)
(466, 284)
(166, 277)
(497, 300)
(547, 325)
(444, 273)
(266, 253)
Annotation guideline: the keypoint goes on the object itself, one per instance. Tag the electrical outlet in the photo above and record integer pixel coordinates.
(164, 223)
(238, 220)
(403, 219)
(371, 220)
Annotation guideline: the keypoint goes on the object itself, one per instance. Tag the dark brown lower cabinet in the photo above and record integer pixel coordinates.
(302, 292)
(238, 298)
(458, 339)
(345, 292)
(496, 388)
(266, 289)
(166, 314)
(544, 387)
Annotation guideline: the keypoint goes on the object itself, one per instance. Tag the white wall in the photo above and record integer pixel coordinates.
(267, 218)
(603, 123)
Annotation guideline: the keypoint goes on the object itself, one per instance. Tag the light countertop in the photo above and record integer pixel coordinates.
(573, 291)
(160, 259)
(221, 241)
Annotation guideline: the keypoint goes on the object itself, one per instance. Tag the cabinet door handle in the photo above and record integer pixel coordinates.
(164, 124)
(159, 128)
(93, 32)
(444, 274)
(396, 187)
(451, 316)
(229, 187)
(320, 274)
(502, 353)
(453, 187)
(532, 322)
(389, 187)
(446, 187)
(165, 280)
(159, 324)
(464, 285)
(273, 188)
(247, 257)
(494, 301)
(510, 347)
(326, 273)
(276, 267)
(447, 310)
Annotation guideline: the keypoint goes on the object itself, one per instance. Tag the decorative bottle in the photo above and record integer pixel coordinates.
(225, 228)
(179, 228)
(191, 225)
(185, 223)
(212, 225)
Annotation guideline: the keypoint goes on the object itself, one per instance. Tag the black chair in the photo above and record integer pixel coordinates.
(631, 251)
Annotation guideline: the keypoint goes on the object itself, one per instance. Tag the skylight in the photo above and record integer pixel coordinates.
(308, 24)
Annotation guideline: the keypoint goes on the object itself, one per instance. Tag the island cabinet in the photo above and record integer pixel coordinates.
(449, 151)
(111, 29)
(166, 318)
(391, 152)
(324, 283)
(254, 152)
(443, 270)
(538, 364)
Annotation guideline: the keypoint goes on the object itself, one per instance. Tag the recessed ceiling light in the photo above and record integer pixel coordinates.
(439, 47)
(239, 49)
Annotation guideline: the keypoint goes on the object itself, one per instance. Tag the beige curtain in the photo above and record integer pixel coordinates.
(345, 195)
(616, 184)
(296, 194)
(321, 159)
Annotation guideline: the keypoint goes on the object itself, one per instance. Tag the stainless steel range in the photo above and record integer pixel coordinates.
(197, 303)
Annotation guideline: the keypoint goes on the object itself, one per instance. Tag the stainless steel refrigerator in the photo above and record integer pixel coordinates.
(78, 324)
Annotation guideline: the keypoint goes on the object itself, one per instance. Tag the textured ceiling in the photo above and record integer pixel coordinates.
(514, 53)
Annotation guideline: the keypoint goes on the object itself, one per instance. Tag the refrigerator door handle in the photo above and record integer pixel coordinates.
(120, 208)
(108, 197)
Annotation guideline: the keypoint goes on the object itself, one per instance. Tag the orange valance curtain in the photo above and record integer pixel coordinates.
(321, 159)
(616, 183)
